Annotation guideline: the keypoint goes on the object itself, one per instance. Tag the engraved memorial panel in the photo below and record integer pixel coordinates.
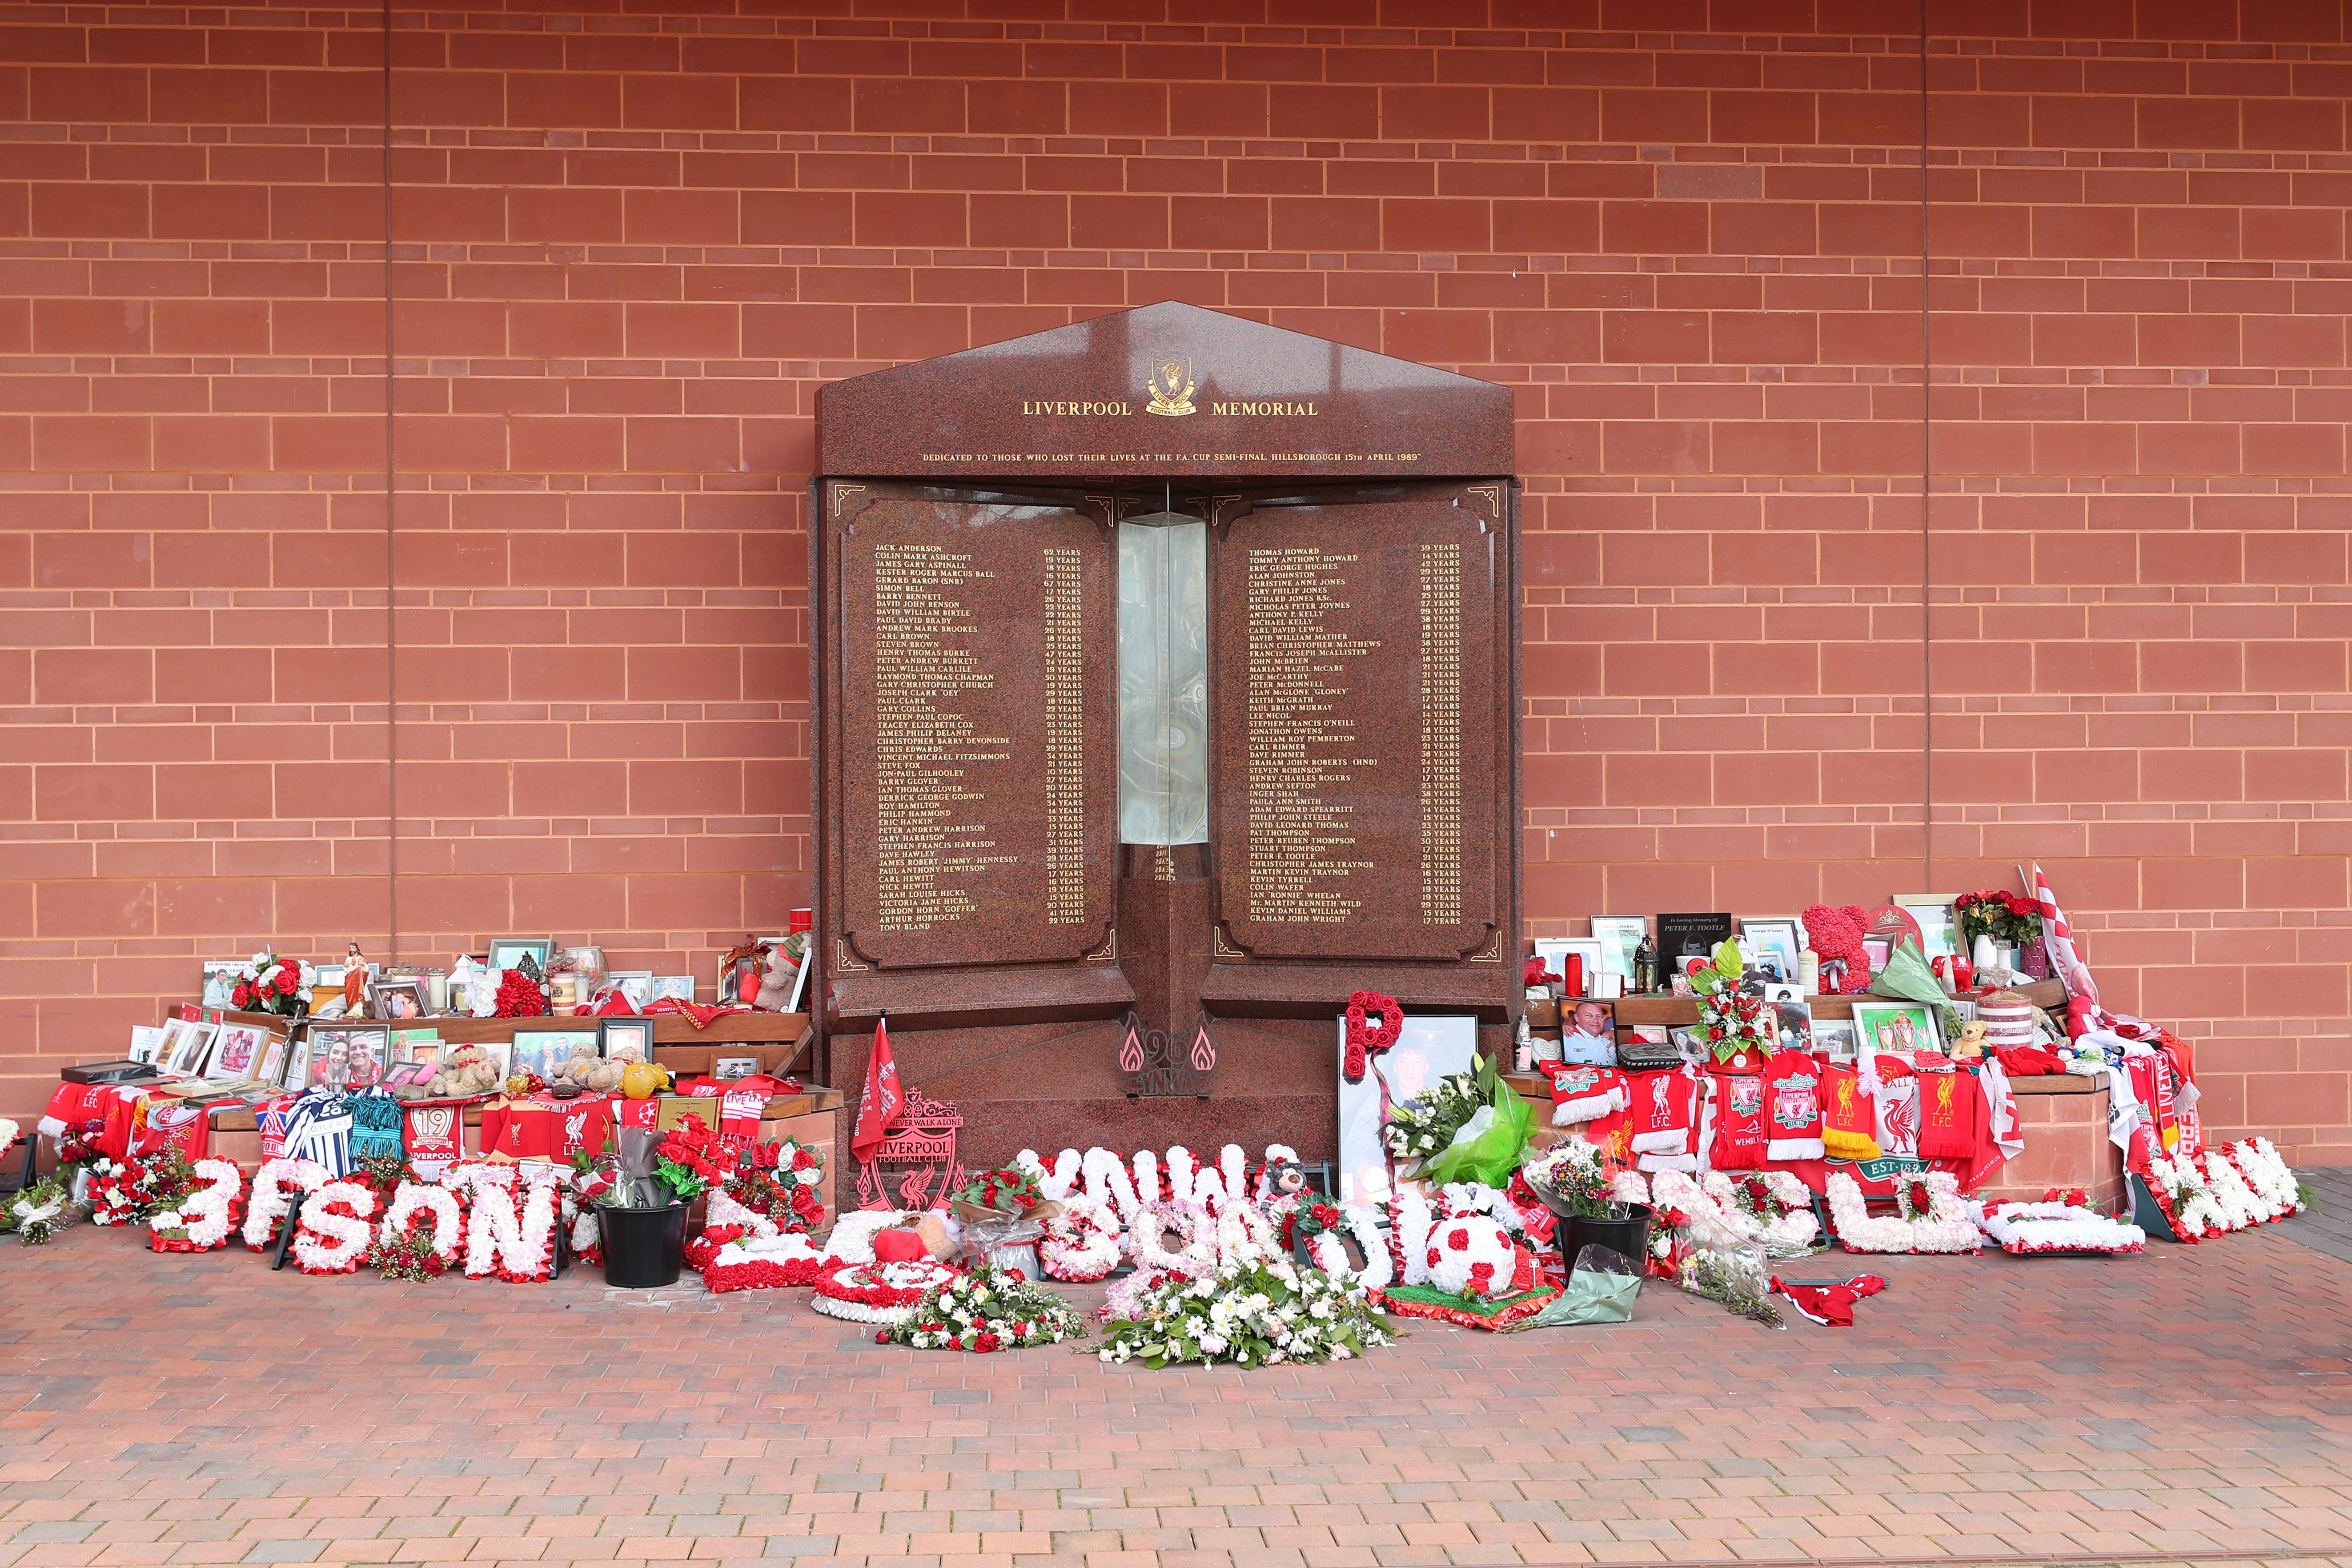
(977, 719)
(1352, 691)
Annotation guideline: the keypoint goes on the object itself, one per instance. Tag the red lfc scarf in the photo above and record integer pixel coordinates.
(1951, 1107)
(883, 1100)
(1739, 1136)
(431, 1132)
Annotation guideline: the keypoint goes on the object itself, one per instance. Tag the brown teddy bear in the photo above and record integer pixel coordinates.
(589, 1071)
(467, 1069)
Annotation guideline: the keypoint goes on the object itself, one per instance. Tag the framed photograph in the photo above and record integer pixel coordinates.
(272, 1069)
(1553, 949)
(625, 1039)
(145, 1039)
(407, 1075)
(1432, 1047)
(349, 1055)
(1939, 930)
(542, 1051)
(238, 1052)
(295, 1074)
(1771, 943)
(637, 985)
(191, 1048)
(1835, 1037)
(220, 979)
(1795, 1016)
(800, 984)
(1588, 1034)
(1682, 937)
(1876, 951)
(507, 952)
(423, 1053)
(397, 1001)
(680, 986)
(724, 1067)
(1618, 935)
(1898, 1027)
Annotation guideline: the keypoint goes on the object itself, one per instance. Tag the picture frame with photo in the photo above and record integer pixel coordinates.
(1771, 943)
(398, 1001)
(728, 1069)
(407, 1075)
(507, 951)
(678, 987)
(1552, 949)
(146, 1039)
(219, 978)
(637, 985)
(295, 1072)
(1939, 927)
(192, 1048)
(1618, 935)
(543, 1051)
(346, 1055)
(1896, 1027)
(272, 1069)
(1835, 1038)
(238, 1052)
(625, 1039)
(1794, 1013)
(1432, 1046)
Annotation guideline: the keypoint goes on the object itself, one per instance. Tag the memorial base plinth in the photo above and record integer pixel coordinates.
(2063, 1120)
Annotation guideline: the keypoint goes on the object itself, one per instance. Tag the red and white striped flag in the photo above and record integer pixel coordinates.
(2058, 941)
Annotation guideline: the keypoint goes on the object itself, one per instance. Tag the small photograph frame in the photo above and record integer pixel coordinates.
(145, 1040)
(1618, 935)
(1771, 943)
(295, 1072)
(1939, 927)
(1896, 1027)
(238, 1052)
(398, 1001)
(1835, 1037)
(625, 1039)
(637, 985)
(542, 1051)
(1552, 949)
(679, 987)
(349, 1055)
(507, 951)
(728, 1069)
(192, 1049)
(272, 1069)
(420, 1053)
(407, 1075)
(219, 979)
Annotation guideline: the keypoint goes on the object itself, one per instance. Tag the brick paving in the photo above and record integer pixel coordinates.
(2191, 1404)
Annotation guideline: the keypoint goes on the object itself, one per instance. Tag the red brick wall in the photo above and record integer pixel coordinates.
(630, 247)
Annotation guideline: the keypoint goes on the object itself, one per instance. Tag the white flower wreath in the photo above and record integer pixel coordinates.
(2026, 1228)
(1080, 1243)
(853, 1235)
(1945, 1227)
(2266, 1171)
(409, 1200)
(204, 1217)
(1788, 1235)
(330, 1242)
(272, 1196)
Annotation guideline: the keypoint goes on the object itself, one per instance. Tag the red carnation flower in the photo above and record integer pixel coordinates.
(2020, 906)
(985, 1344)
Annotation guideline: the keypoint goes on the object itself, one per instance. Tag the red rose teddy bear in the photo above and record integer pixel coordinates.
(1835, 937)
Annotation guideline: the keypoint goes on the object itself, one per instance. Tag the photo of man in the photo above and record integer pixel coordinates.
(1589, 1037)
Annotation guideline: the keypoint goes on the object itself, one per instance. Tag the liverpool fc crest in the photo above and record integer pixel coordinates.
(1171, 387)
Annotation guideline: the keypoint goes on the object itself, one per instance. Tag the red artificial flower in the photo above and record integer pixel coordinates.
(2020, 906)
(286, 981)
(242, 996)
(1964, 901)
(985, 1344)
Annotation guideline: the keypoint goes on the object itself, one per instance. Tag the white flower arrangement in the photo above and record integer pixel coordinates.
(1942, 1226)
(2258, 1160)
(274, 1186)
(876, 1292)
(515, 1242)
(8, 1133)
(204, 1219)
(411, 1200)
(333, 1231)
(2025, 1228)
(1081, 1242)
(987, 1310)
(1248, 1314)
(2181, 1192)
(1773, 1207)
(2240, 1209)
(852, 1240)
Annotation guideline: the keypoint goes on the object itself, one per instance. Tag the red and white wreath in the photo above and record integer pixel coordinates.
(2266, 1171)
(763, 1263)
(852, 1240)
(333, 1230)
(207, 1218)
(272, 1197)
(412, 1202)
(1081, 1242)
(516, 1243)
(2055, 1225)
(876, 1292)
(1475, 1258)
(1932, 1217)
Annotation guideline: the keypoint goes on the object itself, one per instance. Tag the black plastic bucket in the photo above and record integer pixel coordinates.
(643, 1248)
(1629, 1236)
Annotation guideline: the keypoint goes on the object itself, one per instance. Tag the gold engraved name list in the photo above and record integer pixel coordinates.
(930, 841)
(1300, 738)
(1441, 734)
(1065, 738)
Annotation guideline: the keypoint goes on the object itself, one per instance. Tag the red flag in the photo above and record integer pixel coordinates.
(879, 1111)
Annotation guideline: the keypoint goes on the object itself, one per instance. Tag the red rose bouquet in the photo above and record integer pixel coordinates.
(268, 984)
(2002, 916)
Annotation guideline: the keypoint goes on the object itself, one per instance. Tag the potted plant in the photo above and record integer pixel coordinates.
(2011, 922)
(1574, 1180)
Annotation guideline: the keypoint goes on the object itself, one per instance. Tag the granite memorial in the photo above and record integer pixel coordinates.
(1166, 665)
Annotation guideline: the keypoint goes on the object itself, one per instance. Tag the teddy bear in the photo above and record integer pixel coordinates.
(1835, 937)
(467, 1069)
(589, 1070)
